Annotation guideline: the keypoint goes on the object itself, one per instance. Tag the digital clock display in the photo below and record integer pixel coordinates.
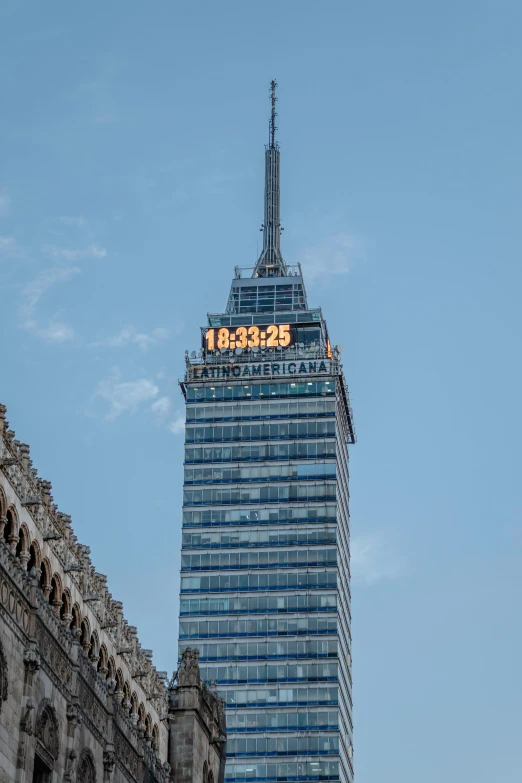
(272, 336)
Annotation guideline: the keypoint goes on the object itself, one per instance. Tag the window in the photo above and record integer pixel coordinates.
(47, 742)
(86, 770)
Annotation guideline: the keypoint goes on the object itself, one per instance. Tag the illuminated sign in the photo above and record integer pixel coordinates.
(272, 336)
(264, 369)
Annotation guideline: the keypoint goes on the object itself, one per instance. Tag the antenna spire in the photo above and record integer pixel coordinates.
(270, 263)
(273, 115)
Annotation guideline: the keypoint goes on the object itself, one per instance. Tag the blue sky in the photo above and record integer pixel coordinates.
(131, 184)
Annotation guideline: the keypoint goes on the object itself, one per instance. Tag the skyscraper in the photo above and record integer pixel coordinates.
(265, 582)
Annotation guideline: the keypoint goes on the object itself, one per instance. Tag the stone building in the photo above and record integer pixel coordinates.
(79, 697)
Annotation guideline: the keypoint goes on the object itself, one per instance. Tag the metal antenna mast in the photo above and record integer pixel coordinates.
(270, 263)
(273, 99)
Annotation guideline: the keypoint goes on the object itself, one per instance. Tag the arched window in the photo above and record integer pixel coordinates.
(45, 577)
(141, 715)
(205, 772)
(93, 650)
(155, 738)
(3, 502)
(85, 638)
(76, 619)
(126, 698)
(111, 669)
(55, 596)
(65, 610)
(34, 556)
(86, 772)
(103, 666)
(119, 685)
(22, 547)
(47, 741)
(10, 532)
(134, 708)
(148, 728)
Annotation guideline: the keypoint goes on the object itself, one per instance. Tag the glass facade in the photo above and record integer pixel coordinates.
(265, 593)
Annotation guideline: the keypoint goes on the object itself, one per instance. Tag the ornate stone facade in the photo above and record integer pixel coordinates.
(80, 700)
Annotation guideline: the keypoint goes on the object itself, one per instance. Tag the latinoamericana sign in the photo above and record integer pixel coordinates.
(262, 370)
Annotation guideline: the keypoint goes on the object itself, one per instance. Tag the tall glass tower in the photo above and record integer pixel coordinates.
(265, 582)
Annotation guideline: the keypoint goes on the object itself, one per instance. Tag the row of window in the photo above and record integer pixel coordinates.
(259, 391)
(283, 746)
(282, 626)
(280, 697)
(267, 299)
(248, 582)
(256, 452)
(270, 672)
(243, 651)
(269, 494)
(282, 558)
(259, 516)
(282, 772)
(299, 315)
(258, 538)
(300, 720)
(265, 431)
(261, 410)
(258, 603)
(305, 472)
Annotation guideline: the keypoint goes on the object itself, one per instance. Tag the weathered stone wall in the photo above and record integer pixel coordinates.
(56, 710)
(79, 698)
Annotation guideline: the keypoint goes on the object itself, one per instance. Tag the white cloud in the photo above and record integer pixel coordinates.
(125, 396)
(75, 254)
(161, 407)
(34, 290)
(130, 335)
(373, 559)
(55, 331)
(177, 425)
(333, 256)
(5, 203)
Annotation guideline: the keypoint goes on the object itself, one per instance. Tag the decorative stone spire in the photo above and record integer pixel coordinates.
(188, 672)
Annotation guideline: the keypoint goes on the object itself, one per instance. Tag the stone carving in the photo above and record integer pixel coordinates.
(86, 770)
(53, 656)
(31, 660)
(109, 759)
(110, 684)
(74, 717)
(92, 708)
(70, 761)
(126, 756)
(47, 732)
(26, 729)
(188, 672)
